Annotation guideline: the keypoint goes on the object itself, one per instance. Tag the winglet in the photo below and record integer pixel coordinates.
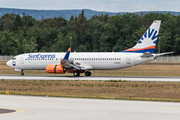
(66, 57)
(69, 49)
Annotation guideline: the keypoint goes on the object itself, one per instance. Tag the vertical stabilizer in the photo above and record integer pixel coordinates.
(147, 42)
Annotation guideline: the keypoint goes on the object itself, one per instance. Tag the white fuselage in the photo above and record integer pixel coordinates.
(89, 60)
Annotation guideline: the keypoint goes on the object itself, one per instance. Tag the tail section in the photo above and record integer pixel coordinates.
(147, 42)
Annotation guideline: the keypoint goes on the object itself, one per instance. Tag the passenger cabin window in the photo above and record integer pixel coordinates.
(13, 58)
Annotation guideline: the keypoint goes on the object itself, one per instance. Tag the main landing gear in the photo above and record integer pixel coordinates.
(88, 73)
(76, 73)
(22, 73)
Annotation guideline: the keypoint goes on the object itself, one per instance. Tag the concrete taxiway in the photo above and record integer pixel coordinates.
(54, 108)
(55, 77)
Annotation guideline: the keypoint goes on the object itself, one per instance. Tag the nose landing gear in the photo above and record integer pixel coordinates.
(22, 73)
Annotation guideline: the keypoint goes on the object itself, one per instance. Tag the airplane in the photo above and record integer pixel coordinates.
(83, 62)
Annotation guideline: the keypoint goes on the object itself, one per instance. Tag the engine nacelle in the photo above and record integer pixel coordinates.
(55, 69)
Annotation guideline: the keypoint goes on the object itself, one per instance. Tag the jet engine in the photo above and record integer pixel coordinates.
(55, 69)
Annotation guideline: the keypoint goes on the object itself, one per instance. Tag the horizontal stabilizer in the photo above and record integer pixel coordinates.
(160, 54)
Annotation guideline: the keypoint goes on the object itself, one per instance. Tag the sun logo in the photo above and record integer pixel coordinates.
(150, 34)
(13, 63)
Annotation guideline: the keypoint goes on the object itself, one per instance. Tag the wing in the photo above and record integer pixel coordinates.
(71, 65)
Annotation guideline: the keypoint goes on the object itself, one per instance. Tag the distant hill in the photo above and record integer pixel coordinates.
(67, 13)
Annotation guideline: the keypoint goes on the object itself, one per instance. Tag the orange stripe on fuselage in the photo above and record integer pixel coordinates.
(136, 49)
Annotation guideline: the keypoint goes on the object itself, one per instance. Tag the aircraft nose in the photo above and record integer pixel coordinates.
(8, 63)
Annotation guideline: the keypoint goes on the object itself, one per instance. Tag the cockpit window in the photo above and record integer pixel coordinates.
(13, 58)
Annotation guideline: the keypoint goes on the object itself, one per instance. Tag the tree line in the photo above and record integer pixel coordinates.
(101, 33)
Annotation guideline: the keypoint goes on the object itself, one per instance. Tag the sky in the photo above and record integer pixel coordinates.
(97, 5)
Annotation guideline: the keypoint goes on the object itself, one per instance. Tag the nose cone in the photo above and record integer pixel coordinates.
(8, 63)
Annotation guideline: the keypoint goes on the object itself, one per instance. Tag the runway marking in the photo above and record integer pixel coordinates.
(85, 104)
(17, 111)
(165, 107)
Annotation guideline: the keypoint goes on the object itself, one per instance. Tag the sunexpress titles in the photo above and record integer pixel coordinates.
(42, 56)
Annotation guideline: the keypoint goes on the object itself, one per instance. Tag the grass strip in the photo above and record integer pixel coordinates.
(153, 91)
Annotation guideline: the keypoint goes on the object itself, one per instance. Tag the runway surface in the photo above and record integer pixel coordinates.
(54, 108)
(55, 77)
